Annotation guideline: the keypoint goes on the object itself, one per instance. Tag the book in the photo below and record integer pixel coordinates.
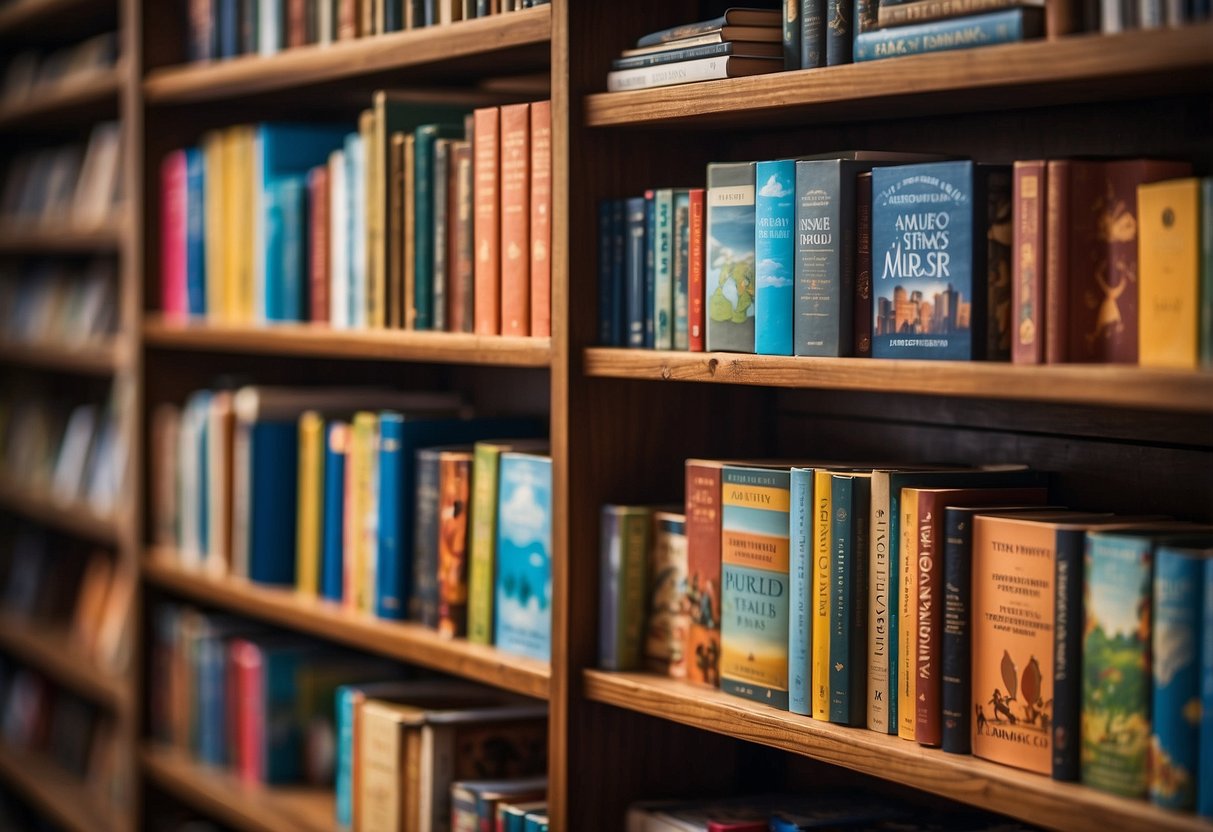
(954, 33)
(486, 219)
(623, 577)
(791, 34)
(681, 268)
(541, 219)
(474, 802)
(850, 496)
(427, 188)
(397, 246)
(754, 570)
(286, 278)
(774, 255)
(840, 31)
(355, 182)
(820, 628)
(812, 33)
(689, 72)
(703, 510)
(361, 515)
(173, 298)
(440, 278)
(667, 621)
(1029, 186)
(661, 245)
(635, 272)
(1204, 793)
(861, 314)
(650, 269)
(714, 49)
(339, 266)
(761, 18)
(319, 236)
(332, 567)
(515, 219)
(729, 258)
(454, 486)
(309, 514)
(524, 550)
(1206, 272)
(800, 590)
(423, 597)
(1168, 273)
(922, 11)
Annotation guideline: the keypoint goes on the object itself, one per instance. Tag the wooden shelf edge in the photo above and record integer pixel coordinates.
(98, 359)
(405, 641)
(1067, 67)
(64, 798)
(317, 64)
(243, 806)
(64, 99)
(1107, 385)
(1028, 797)
(322, 342)
(75, 517)
(53, 653)
(19, 239)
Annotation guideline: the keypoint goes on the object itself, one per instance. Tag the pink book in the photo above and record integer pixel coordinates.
(173, 300)
(541, 219)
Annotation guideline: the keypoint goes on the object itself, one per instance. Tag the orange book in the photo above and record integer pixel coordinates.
(541, 219)
(515, 219)
(454, 488)
(486, 221)
(1168, 273)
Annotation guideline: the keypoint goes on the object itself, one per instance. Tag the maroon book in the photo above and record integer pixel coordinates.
(702, 650)
(1028, 322)
(862, 308)
(296, 23)
(318, 243)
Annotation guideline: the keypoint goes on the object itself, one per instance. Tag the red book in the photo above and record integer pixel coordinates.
(862, 308)
(1029, 188)
(173, 298)
(703, 570)
(460, 268)
(541, 219)
(347, 19)
(515, 219)
(245, 658)
(296, 23)
(695, 273)
(486, 222)
(318, 194)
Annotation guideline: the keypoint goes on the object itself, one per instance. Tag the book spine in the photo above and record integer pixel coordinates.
(729, 269)
(1067, 648)
(606, 276)
(992, 330)
(665, 75)
(821, 613)
(791, 34)
(1206, 277)
(296, 23)
(625, 547)
(840, 34)
(650, 269)
(703, 572)
(812, 33)
(423, 603)
(318, 234)
(355, 238)
(862, 311)
(1029, 189)
(825, 208)
(955, 676)
(1204, 789)
(485, 461)
(390, 548)
(441, 230)
(774, 256)
(338, 312)
(408, 289)
(636, 251)
(173, 294)
(195, 232)
(907, 623)
(865, 17)
(681, 262)
(217, 301)
(423, 236)
(273, 459)
(886, 486)
(295, 247)
(945, 35)
(1168, 274)
(515, 219)
(695, 284)
(927, 653)
(663, 269)
(333, 524)
(842, 598)
(879, 605)
(356, 593)
(394, 243)
(902, 14)
(541, 219)
(309, 512)
(460, 311)
(1057, 261)
(347, 19)
(455, 480)
(800, 590)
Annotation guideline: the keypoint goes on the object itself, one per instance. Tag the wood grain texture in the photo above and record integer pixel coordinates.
(405, 641)
(72, 517)
(101, 359)
(1109, 385)
(50, 239)
(1028, 797)
(53, 791)
(52, 652)
(1035, 73)
(248, 807)
(497, 42)
(323, 342)
(73, 102)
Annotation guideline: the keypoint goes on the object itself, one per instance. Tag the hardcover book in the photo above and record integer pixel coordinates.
(515, 219)
(635, 272)
(454, 485)
(1029, 187)
(1007, 26)
(703, 570)
(524, 549)
(800, 591)
(661, 245)
(681, 266)
(623, 575)
(487, 171)
(667, 621)
(862, 313)
(541, 219)
(1168, 273)
(774, 256)
(729, 259)
(695, 272)
(849, 504)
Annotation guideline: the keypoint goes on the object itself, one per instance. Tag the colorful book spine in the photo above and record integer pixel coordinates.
(332, 566)
(1206, 273)
(840, 32)
(309, 515)
(622, 578)
(1067, 651)
(791, 34)
(425, 196)
(667, 620)
(881, 600)
(861, 316)
(541, 219)
(1168, 274)
(729, 258)
(819, 673)
(1204, 790)
(636, 252)
(339, 266)
(524, 549)
(454, 493)
(359, 493)
(774, 256)
(907, 620)
(195, 232)
(515, 219)
(662, 244)
(944, 35)
(681, 267)
(695, 272)
(800, 592)
(921, 11)
(390, 549)
(958, 598)
(927, 636)
(461, 313)
(849, 501)
(754, 566)
(486, 155)
(319, 241)
(423, 602)
(1029, 187)
(441, 277)
(703, 571)
(486, 460)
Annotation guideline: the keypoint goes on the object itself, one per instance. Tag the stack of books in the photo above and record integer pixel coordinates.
(68, 185)
(55, 302)
(740, 42)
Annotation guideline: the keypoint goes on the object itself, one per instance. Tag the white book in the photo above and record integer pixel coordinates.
(355, 187)
(268, 36)
(339, 263)
(324, 23)
(93, 201)
(74, 452)
(1111, 18)
(688, 72)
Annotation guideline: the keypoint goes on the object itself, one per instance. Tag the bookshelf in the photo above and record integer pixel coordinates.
(43, 239)
(102, 359)
(65, 799)
(53, 652)
(69, 103)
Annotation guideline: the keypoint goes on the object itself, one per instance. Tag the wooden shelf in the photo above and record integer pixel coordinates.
(242, 805)
(22, 17)
(75, 518)
(77, 101)
(99, 359)
(322, 342)
(405, 641)
(1037, 73)
(64, 798)
(514, 41)
(1031, 798)
(1089, 384)
(52, 652)
(52, 239)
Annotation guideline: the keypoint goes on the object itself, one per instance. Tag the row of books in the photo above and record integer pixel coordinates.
(856, 254)
(65, 185)
(426, 218)
(31, 73)
(68, 303)
(220, 29)
(377, 500)
(899, 598)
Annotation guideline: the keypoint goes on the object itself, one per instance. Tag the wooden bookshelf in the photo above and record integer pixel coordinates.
(51, 651)
(1028, 797)
(1079, 68)
(75, 101)
(289, 339)
(244, 806)
(514, 42)
(100, 359)
(1106, 384)
(401, 640)
(23, 17)
(60, 239)
(64, 798)
(72, 517)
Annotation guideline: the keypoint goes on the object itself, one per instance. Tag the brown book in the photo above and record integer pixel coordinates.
(366, 18)
(486, 229)
(541, 219)
(319, 195)
(460, 298)
(296, 23)
(395, 243)
(408, 296)
(515, 219)
(90, 599)
(703, 570)
(1057, 252)
(442, 227)
(347, 19)
(1029, 187)
(454, 495)
(862, 308)
(370, 247)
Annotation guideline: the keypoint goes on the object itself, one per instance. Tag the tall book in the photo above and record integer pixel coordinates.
(423, 600)
(524, 550)
(819, 673)
(309, 513)
(461, 259)
(319, 228)
(332, 568)
(791, 34)
(173, 299)
(661, 250)
(1206, 272)
(394, 242)
(861, 314)
(650, 269)
(703, 570)
(515, 219)
(1168, 273)
(541, 219)
(681, 266)
(623, 576)
(454, 498)
(440, 278)
(695, 272)
(729, 258)
(1029, 187)
(634, 272)
(486, 156)
(666, 620)
(812, 33)
(361, 543)
(425, 200)
(850, 496)
(800, 590)
(774, 256)
(339, 264)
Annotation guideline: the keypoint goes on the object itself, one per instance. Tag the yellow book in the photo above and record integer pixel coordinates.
(360, 516)
(908, 621)
(212, 186)
(820, 660)
(230, 233)
(372, 242)
(310, 508)
(244, 210)
(409, 313)
(1168, 265)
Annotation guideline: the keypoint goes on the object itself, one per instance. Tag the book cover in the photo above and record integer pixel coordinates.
(309, 514)
(426, 196)
(861, 314)
(391, 548)
(319, 276)
(812, 33)
(907, 619)
(775, 205)
(900, 14)
(839, 31)
(265, 466)
(332, 568)
(286, 277)
(800, 591)
(661, 244)
(703, 509)
(515, 219)
(423, 600)
(173, 298)
(541, 219)
(635, 271)
(394, 241)
(695, 274)
(1029, 187)
(729, 258)
(850, 496)
(623, 577)
(196, 285)
(791, 34)
(955, 33)
(1168, 273)
(524, 547)
(666, 619)
(454, 487)
(681, 268)
(754, 568)
(360, 561)
(486, 221)
(819, 673)
(215, 257)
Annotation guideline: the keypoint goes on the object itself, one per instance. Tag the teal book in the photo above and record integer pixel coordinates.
(849, 503)
(286, 247)
(1206, 272)
(682, 268)
(774, 256)
(1204, 791)
(967, 32)
(754, 543)
(425, 194)
(523, 608)
(729, 258)
(800, 591)
(663, 269)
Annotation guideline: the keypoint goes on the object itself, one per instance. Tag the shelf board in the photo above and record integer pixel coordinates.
(76, 101)
(1028, 797)
(51, 651)
(1087, 384)
(405, 641)
(244, 806)
(62, 797)
(98, 359)
(59, 239)
(320, 341)
(1037, 73)
(73, 517)
(513, 41)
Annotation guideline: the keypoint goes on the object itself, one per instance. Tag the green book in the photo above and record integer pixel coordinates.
(850, 497)
(425, 195)
(626, 534)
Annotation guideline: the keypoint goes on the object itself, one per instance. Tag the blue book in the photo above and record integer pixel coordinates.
(662, 244)
(346, 701)
(424, 201)
(849, 501)
(635, 270)
(945, 35)
(286, 276)
(619, 259)
(682, 268)
(650, 269)
(211, 680)
(800, 590)
(355, 231)
(606, 288)
(195, 231)
(523, 597)
(839, 37)
(282, 734)
(390, 552)
(729, 258)
(1204, 791)
(332, 563)
(229, 28)
(272, 496)
(774, 256)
